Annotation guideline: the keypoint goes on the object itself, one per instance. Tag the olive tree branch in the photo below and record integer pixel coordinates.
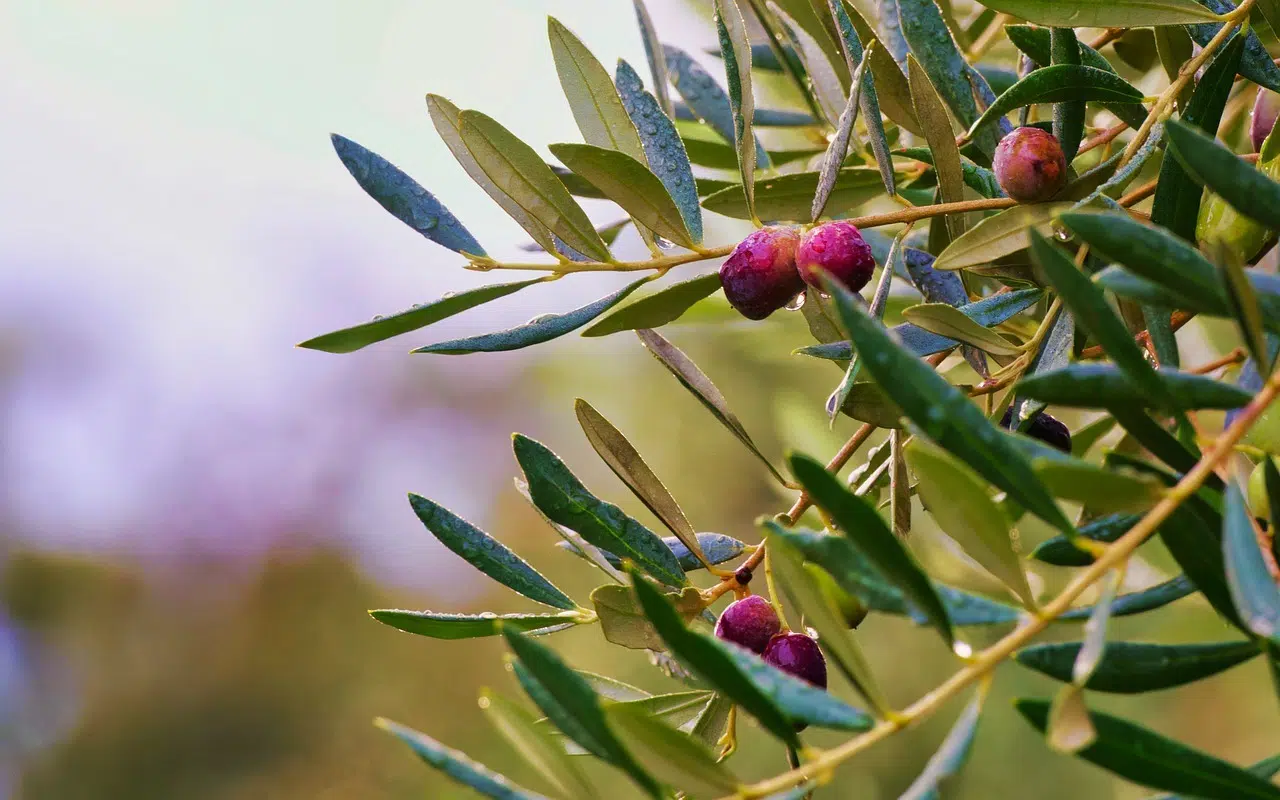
(987, 660)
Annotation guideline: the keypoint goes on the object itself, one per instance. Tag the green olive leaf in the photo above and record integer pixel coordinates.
(457, 765)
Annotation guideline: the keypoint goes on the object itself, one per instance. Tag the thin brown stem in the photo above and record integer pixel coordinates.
(1107, 37)
(1179, 319)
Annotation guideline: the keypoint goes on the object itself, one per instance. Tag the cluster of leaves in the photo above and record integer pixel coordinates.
(1072, 303)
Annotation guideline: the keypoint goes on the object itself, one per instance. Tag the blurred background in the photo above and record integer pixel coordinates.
(195, 515)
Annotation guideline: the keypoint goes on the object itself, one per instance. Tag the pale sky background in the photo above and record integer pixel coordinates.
(173, 219)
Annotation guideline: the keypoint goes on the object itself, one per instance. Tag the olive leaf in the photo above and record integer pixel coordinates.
(1147, 758)
(516, 171)
(457, 765)
(1104, 13)
(1247, 190)
(855, 54)
(708, 101)
(1253, 589)
(937, 131)
(1057, 84)
(404, 198)
(536, 746)
(997, 236)
(961, 507)
(1256, 63)
(696, 381)
(349, 340)
(946, 320)
(559, 494)
(789, 197)
(839, 147)
(1134, 667)
(735, 49)
(624, 623)
(660, 308)
(438, 625)
(540, 329)
(670, 756)
(663, 149)
(487, 554)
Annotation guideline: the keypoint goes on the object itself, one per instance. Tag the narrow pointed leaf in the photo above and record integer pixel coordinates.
(1098, 489)
(656, 55)
(696, 381)
(1266, 768)
(562, 497)
(663, 149)
(834, 636)
(934, 49)
(672, 757)
(446, 118)
(1091, 312)
(937, 131)
(710, 725)
(1069, 115)
(1158, 596)
(945, 413)
(516, 170)
(717, 547)
(1192, 535)
(874, 540)
(1256, 63)
(404, 198)
(854, 54)
(708, 101)
(1177, 201)
(1104, 13)
(592, 97)
(630, 184)
(1152, 252)
(824, 78)
(1060, 552)
(1093, 648)
(946, 320)
(991, 310)
(951, 755)
(735, 49)
(660, 308)
(348, 340)
(790, 197)
(1057, 84)
(1253, 589)
(1037, 44)
(1147, 758)
(1244, 304)
(579, 732)
(573, 694)
(1245, 188)
(1134, 667)
(536, 746)
(457, 765)
(470, 626)
(1099, 385)
(960, 505)
(487, 554)
(892, 89)
(626, 462)
(997, 236)
(839, 147)
(540, 329)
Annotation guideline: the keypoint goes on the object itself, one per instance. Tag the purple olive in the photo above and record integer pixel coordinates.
(1045, 428)
(1265, 110)
(759, 276)
(750, 622)
(838, 249)
(1029, 165)
(798, 655)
